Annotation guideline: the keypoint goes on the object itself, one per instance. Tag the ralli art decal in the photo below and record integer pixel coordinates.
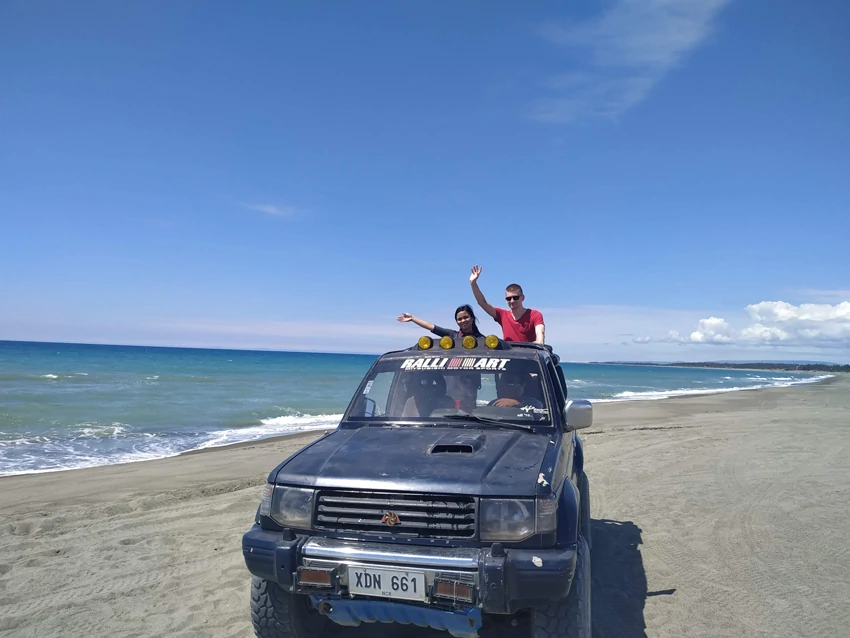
(455, 363)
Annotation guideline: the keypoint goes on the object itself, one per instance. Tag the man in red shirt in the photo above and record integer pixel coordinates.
(518, 323)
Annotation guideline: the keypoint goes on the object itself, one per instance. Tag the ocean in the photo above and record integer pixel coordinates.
(65, 406)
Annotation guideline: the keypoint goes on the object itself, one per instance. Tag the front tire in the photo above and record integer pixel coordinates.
(569, 618)
(279, 614)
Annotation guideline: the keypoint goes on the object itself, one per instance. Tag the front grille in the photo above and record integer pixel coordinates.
(415, 515)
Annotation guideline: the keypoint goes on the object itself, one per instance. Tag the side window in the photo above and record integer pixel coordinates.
(376, 392)
(556, 385)
(563, 381)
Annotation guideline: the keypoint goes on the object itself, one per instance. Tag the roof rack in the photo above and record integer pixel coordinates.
(535, 346)
(525, 344)
(503, 345)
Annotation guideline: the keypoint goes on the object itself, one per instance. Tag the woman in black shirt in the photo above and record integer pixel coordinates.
(462, 387)
(466, 322)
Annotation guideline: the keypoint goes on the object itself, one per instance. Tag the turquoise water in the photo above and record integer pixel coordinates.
(65, 406)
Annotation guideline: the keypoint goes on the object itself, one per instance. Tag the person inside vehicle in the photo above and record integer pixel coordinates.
(513, 389)
(464, 316)
(426, 392)
(463, 387)
(518, 323)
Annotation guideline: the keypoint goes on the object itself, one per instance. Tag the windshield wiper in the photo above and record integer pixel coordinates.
(482, 419)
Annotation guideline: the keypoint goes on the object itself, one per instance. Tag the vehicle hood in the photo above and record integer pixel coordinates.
(502, 463)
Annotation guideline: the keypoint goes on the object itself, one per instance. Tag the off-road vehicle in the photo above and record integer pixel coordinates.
(451, 495)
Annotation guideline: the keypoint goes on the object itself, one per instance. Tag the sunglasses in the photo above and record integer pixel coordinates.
(512, 297)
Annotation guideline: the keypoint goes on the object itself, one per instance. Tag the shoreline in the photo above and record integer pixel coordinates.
(821, 379)
(719, 366)
(692, 392)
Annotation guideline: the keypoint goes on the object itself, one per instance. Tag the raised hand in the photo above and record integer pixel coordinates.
(404, 317)
(476, 273)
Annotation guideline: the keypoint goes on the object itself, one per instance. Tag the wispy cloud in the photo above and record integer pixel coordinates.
(378, 335)
(273, 209)
(819, 295)
(578, 333)
(622, 54)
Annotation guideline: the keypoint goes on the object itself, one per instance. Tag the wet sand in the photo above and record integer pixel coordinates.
(714, 515)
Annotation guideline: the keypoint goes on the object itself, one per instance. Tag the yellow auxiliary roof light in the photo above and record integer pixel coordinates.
(425, 343)
(492, 342)
(447, 342)
(469, 342)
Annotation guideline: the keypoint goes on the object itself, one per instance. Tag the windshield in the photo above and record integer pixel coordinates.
(433, 388)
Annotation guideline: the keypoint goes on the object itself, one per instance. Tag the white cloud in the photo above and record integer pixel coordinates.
(759, 333)
(273, 209)
(774, 323)
(623, 54)
(712, 330)
(780, 311)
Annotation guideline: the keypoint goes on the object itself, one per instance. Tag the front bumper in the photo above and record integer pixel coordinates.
(503, 583)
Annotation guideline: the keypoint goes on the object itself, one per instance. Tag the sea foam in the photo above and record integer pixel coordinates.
(274, 426)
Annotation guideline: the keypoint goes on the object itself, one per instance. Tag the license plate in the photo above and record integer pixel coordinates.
(389, 583)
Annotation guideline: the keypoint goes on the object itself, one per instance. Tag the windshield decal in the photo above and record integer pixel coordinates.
(428, 363)
(477, 363)
(455, 363)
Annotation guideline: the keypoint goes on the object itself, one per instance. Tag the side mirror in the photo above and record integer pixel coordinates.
(369, 407)
(578, 415)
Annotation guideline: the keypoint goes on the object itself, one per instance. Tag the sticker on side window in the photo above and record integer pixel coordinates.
(534, 410)
(368, 386)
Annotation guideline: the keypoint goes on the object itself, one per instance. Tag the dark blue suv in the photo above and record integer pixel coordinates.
(451, 495)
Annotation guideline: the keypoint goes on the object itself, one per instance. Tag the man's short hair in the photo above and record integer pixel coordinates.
(515, 288)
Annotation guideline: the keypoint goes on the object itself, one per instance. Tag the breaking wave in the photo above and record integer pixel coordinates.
(653, 395)
(274, 426)
(92, 444)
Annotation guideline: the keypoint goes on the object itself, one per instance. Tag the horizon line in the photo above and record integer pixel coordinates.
(377, 354)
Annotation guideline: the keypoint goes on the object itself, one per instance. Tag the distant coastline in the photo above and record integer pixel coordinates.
(761, 365)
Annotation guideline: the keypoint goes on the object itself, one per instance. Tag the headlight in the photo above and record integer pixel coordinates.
(291, 506)
(515, 519)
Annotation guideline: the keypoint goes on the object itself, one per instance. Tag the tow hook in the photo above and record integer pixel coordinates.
(325, 608)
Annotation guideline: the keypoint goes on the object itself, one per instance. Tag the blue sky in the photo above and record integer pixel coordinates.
(667, 180)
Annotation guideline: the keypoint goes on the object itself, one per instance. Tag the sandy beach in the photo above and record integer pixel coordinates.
(714, 515)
